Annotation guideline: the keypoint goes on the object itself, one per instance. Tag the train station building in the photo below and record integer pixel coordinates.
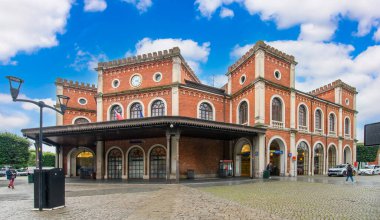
(150, 117)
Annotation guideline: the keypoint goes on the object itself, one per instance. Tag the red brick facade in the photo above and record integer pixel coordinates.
(182, 94)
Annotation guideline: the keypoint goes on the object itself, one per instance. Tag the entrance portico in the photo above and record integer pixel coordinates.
(157, 147)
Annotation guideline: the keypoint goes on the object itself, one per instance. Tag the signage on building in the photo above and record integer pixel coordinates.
(277, 151)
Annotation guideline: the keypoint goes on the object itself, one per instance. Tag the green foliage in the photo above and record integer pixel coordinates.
(48, 159)
(366, 153)
(32, 158)
(14, 150)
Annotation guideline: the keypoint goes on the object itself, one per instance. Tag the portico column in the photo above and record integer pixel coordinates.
(174, 163)
(340, 151)
(60, 162)
(293, 151)
(260, 147)
(57, 157)
(168, 155)
(100, 160)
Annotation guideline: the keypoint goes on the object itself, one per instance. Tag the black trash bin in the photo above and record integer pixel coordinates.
(31, 178)
(266, 174)
(53, 188)
(190, 174)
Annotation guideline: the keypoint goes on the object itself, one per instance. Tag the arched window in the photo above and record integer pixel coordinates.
(114, 164)
(115, 110)
(302, 159)
(302, 118)
(158, 163)
(135, 164)
(332, 123)
(276, 110)
(318, 159)
(158, 108)
(81, 121)
(136, 110)
(205, 111)
(347, 127)
(243, 113)
(318, 121)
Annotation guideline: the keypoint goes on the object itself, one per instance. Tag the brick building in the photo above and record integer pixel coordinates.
(150, 117)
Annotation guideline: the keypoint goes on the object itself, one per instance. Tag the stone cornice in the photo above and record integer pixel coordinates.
(75, 85)
(333, 85)
(267, 49)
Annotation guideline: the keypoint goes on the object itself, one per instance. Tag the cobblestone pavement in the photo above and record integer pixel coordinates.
(248, 199)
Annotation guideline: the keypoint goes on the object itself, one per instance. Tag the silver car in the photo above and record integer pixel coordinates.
(340, 170)
(370, 170)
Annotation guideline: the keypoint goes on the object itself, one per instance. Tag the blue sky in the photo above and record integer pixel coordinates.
(42, 40)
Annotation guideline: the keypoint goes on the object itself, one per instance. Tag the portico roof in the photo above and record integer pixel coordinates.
(134, 129)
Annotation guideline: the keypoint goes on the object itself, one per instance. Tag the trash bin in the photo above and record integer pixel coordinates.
(31, 178)
(190, 174)
(53, 188)
(266, 174)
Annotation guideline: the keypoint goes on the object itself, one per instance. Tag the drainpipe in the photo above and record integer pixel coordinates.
(326, 130)
(311, 135)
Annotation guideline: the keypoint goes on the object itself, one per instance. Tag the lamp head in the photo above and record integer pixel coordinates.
(14, 84)
(63, 100)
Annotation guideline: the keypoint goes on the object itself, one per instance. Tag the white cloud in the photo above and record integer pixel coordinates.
(226, 13)
(26, 26)
(86, 60)
(141, 5)
(318, 21)
(192, 51)
(321, 63)
(95, 5)
(13, 120)
(216, 80)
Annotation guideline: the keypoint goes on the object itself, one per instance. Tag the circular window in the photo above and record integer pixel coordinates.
(347, 101)
(277, 74)
(82, 101)
(157, 77)
(136, 80)
(115, 83)
(242, 79)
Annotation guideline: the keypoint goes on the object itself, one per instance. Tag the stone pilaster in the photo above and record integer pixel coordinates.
(259, 64)
(260, 102)
(100, 160)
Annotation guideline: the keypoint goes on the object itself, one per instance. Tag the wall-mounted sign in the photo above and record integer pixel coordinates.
(289, 154)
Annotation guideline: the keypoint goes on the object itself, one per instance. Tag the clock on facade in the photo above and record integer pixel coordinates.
(136, 80)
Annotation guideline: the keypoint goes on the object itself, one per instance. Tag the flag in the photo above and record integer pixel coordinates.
(118, 115)
(141, 114)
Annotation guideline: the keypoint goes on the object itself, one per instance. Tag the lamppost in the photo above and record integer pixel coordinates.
(15, 85)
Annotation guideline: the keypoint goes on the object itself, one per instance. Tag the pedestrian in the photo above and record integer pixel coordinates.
(349, 172)
(269, 168)
(11, 176)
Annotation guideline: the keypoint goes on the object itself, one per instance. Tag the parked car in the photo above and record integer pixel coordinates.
(340, 170)
(2, 172)
(21, 172)
(370, 170)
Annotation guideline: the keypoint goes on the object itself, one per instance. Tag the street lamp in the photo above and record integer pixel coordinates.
(15, 85)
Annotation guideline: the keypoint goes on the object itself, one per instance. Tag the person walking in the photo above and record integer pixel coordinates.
(11, 177)
(269, 168)
(349, 173)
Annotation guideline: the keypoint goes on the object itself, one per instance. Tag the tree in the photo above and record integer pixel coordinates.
(14, 150)
(48, 159)
(366, 153)
(32, 158)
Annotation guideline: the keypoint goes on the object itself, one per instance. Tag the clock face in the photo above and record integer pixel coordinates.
(136, 80)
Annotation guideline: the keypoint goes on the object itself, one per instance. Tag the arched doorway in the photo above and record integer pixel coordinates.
(85, 164)
(318, 159)
(115, 163)
(243, 158)
(347, 158)
(277, 157)
(135, 164)
(157, 163)
(331, 157)
(302, 159)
